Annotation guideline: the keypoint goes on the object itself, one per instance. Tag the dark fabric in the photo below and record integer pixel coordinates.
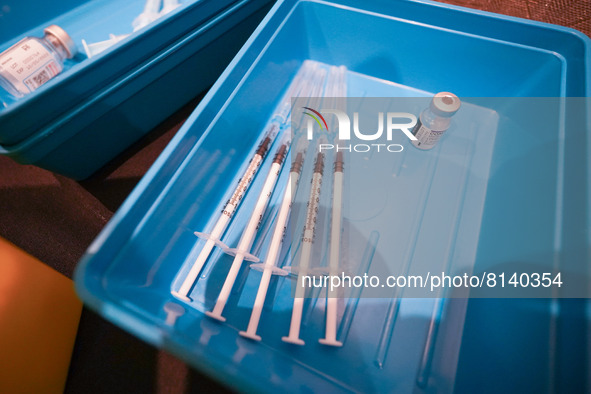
(55, 219)
(570, 13)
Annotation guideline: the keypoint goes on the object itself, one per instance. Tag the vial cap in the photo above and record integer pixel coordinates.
(445, 104)
(64, 38)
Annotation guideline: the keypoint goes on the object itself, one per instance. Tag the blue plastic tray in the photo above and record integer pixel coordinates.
(108, 102)
(92, 21)
(392, 48)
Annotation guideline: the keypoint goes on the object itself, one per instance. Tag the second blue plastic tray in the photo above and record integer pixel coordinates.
(77, 140)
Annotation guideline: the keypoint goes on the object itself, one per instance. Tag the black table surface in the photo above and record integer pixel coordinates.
(55, 219)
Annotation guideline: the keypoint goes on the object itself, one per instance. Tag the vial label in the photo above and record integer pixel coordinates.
(28, 65)
(426, 138)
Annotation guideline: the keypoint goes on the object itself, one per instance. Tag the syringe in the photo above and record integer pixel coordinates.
(334, 253)
(306, 250)
(307, 69)
(250, 231)
(339, 90)
(272, 257)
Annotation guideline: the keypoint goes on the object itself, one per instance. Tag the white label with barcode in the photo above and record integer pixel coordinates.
(29, 63)
(427, 138)
(49, 71)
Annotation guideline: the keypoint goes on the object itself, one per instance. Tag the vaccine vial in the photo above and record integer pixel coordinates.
(33, 61)
(435, 120)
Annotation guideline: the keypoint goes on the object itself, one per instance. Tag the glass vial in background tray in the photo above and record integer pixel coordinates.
(33, 61)
(435, 120)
